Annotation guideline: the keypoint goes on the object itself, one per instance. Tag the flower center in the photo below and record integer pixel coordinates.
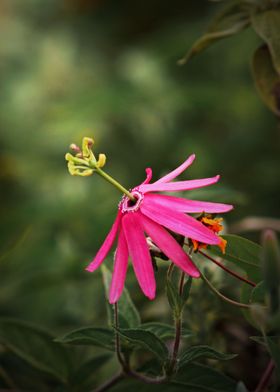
(127, 205)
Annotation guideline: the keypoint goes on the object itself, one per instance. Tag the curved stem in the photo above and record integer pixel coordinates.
(223, 297)
(147, 380)
(227, 270)
(264, 381)
(108, 384)
(115, 183)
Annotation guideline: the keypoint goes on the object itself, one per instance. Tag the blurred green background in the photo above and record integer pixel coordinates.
(108, 69)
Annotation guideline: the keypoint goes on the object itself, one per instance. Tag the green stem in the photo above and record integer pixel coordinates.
(253, 284)
(146, 379)
(178, 331)
(223, 297)
(181, 284)
(110, 383)
(170, 270)
(115, 183)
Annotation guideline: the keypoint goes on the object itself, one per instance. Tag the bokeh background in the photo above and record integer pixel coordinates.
(108, 69)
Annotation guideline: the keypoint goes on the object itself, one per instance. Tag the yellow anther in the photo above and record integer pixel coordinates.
(86, 147)
(86, 173)
(84, 163)
(101, 160)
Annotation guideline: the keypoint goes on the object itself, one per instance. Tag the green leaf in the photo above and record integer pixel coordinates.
(257, 314)
(191, 378)
(200, 378)
(90, 336)
(267, 81)
(85, 375)
(174, 299)
(258, 339)
(231, 20)
(195, 352)
(241, 387)
(186, 290)
(271, 269)
(258, 293)
(147, 340)
(128, 314)
(273, 343)
(267, 26)
(242, 252)
(36, 347)
(163, 331)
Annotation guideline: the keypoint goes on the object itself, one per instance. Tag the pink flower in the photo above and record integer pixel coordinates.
(152, 214)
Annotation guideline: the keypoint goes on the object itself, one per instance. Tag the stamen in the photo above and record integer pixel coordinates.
(127, 205)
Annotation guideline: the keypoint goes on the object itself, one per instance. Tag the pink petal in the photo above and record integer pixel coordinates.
(139, 253)
(120, 268)
(186, 205)
(175, 173)
(178, 222)
(149, 174)
(178, 185)
(106, 246)
(169, 246)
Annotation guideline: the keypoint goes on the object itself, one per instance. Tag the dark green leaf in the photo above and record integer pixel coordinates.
(163, 331)
(258, 339)
(245, 297)
(266, 79)
(230, 21)
(100, 337)
(174, 299)
(190, 378)
(195, 352)
(271, 269)
(85, 375)
(146, 340)
(186, 290)
(128, 314)
(240, 387)
(244, 253)
(273, 343)
(258, 293)
(267, 26)
(36, 347)
(129, 385)
(200, 378)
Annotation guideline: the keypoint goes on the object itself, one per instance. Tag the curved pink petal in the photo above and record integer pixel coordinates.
(169, 246)
(178, 222)
(139, 253)
(175, 173)
(106, 246)
(149, 175)
(186, 205)
(120, 269)
(178, 185)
